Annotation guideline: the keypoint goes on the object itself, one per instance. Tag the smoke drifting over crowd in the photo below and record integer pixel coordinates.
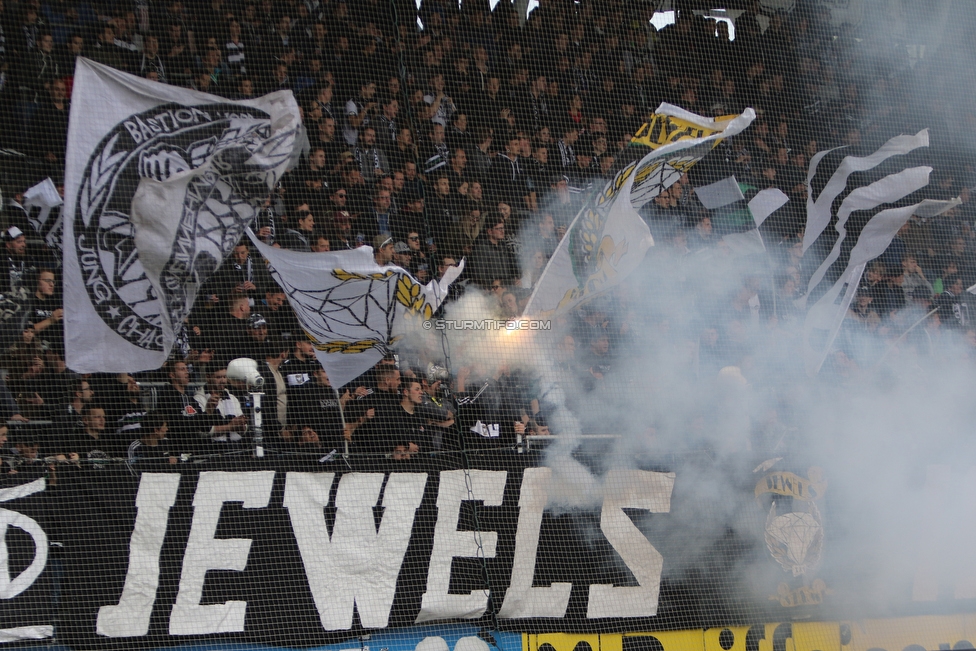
(702, 370)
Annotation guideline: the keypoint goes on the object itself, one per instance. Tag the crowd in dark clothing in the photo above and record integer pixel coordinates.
(478, 136)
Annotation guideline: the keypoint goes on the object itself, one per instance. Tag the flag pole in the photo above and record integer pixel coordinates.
(903, 335)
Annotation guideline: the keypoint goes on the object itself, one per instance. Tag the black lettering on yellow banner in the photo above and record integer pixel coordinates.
(791, 484)
(811, 595)
(663, 129)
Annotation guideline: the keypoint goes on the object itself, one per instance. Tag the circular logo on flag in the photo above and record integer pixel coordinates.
(164, 197)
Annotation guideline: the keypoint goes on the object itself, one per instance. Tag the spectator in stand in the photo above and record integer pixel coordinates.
(377, 435)
(19, 265)
(379, 220)
(150, 444)
(68, 416)
(491, 259)
(387, 128)
(44, 311)
(403, 150)
(91, 442)
(236, 277)
(436, 154)
(510, 180)
(130, 410)
(189, 426)
(370, 158)
(227, 417)
(359, 111)
(300, 238)
(953, 304)
(383, 248)
(464, 235)
(912, 279)
(275, 403)
(315, 414)
(442, 209)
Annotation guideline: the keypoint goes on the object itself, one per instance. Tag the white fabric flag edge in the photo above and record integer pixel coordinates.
(557, 261)
(765, 203)
(358, 260)
(719, 194)
(881, 230)
(818, 212)
(885, 190)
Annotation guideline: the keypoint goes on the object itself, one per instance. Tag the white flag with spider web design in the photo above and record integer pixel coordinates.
(160, 183)
(351, 308)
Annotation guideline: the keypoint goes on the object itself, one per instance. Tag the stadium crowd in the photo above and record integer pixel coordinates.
(475, 137)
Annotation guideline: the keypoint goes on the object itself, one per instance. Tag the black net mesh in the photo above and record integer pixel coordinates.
(697, 374)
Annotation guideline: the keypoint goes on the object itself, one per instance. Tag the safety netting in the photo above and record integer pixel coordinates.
(538, 326)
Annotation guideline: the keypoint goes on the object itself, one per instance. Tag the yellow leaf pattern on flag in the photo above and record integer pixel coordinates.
(345, 276)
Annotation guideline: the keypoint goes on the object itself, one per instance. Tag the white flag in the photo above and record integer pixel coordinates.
(604, 243)
(351, 308)
(679, 139)
(160, 184)
(765, 203)
(608, 239)
(44, 196)
(825, 317)
(720, 194)
(818, 212)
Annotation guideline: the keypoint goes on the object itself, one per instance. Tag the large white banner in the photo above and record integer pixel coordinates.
(351, 308)
(160, 184)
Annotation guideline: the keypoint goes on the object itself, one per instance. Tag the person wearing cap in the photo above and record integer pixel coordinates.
(383, 250)
(19, 264)
(257, 330)
(401, 256)
(338, 198)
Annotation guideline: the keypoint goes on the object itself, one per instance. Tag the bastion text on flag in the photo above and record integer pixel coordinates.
(160, 183)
